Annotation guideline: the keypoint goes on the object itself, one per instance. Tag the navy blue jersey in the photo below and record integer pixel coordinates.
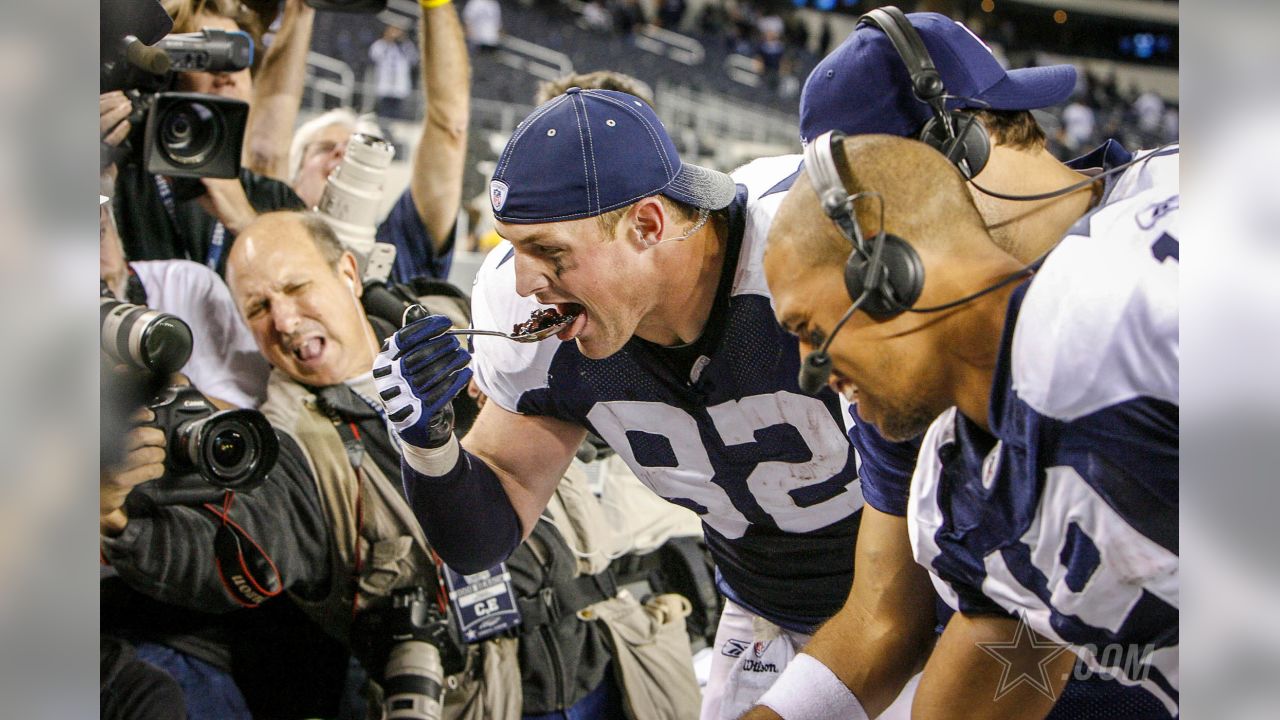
(886, 466)
(416, 254)
(1065, 513)
(720, 427)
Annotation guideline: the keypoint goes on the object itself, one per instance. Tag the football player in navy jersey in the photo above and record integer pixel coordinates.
(673, 356)
(1043, 506)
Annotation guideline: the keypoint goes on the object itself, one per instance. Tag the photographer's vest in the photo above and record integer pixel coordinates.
(650, 650)
(651, 653)
(393, 550)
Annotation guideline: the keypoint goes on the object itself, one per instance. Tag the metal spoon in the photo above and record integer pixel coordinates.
(415, 312)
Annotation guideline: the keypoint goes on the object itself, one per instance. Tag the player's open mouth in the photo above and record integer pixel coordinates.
(579, 323)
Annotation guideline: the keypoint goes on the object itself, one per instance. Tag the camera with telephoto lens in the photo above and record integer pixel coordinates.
(180, 135)
(411, 639)
(228, 450)
(350, 203)
(142, 338)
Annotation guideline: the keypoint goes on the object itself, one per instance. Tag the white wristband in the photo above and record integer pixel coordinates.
(807, 689)
(432, 462)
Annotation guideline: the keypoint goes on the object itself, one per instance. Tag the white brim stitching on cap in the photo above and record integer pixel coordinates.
(702, 187)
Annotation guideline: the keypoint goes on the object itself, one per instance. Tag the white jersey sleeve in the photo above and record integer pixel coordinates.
(767, 181)
(225, 361)
(1099, 324)
(505, 370)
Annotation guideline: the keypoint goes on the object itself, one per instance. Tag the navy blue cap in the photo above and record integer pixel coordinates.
(587, 152)
(863, 86)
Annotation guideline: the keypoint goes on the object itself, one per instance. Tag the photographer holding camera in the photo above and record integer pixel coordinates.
(327, 524)
(422, 221)
(343, 542)
(225, 362)
(195, 210)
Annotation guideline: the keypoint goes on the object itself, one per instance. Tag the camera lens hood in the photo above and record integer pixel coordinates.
(233, 449)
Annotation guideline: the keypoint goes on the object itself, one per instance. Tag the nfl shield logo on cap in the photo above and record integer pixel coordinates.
(497, 194)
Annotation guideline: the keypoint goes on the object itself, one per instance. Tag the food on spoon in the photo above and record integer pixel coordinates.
(541, 319)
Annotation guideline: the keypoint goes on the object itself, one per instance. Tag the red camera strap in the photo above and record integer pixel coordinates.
(247, 573)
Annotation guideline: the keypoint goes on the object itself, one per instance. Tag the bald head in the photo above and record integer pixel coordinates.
(299, 292)
(292, 228)
(905, 369)
(925, 202)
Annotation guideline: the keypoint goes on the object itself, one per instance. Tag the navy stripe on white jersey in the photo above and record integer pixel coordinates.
(1066, 512)
(720, 427)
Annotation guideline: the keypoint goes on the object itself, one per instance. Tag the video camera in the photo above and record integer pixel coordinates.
(180, 134)
(207, 451)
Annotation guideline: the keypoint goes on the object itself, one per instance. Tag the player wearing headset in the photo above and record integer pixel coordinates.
(884, 79)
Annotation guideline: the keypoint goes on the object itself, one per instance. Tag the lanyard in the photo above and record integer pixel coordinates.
(382, 413)
(218, 239)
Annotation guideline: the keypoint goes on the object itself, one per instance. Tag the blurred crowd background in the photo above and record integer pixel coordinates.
(725, 75)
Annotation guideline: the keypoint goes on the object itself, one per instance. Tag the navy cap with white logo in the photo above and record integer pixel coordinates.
(863, 86)
(587, 152)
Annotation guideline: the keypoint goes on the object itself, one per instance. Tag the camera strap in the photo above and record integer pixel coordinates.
(247, 573)
(328, 399)
(217, 241)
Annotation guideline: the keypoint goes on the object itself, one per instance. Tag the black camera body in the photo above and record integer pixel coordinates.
(208, 451)
(228, 449)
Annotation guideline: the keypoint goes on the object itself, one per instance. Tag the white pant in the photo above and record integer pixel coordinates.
(748, 655)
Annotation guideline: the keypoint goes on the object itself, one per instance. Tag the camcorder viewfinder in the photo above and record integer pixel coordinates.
(210, 50)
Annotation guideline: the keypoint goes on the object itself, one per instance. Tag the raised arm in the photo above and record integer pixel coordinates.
(436, 182)
(874, 644)
(277, 94)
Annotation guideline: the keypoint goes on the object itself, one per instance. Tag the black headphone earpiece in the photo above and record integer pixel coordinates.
(883, 276)
(969, 150)
(900, 281)
(955, 134)
(886, 262)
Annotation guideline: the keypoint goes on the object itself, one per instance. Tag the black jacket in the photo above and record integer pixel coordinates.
(149, 231)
